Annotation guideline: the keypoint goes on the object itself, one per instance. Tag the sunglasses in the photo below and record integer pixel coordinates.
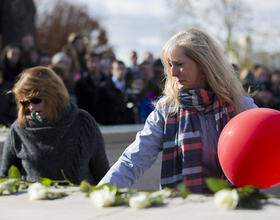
(26, 103)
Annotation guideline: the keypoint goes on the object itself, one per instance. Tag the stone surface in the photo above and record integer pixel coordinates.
(77, 206)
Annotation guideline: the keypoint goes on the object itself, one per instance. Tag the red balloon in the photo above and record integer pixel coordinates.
(249, 148)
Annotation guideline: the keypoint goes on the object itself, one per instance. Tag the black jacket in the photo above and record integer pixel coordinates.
(114, 107)
(86, 91)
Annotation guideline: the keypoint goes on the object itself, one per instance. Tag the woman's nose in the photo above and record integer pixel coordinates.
(174, 71)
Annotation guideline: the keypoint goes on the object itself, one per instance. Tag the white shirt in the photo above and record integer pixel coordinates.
(119, 85)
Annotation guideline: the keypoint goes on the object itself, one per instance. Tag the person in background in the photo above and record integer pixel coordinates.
(113, 99)
(62, 73)
(11, 57)
(105, 68)
(44, 59)
(275, 76)
(30, 57)
(8, 106)
(142, 101)
(61, 59)
(134, 65)
(51, 134)
(86, 88)
(26, 41)
(77, 41)
(107, 55)
(146, 71)
(265, 97)
(275, 79)
(202, 93)
(262, 74)
(133, 69)
(159, 74)
(73, 64)
(148, 56)
(248, 80)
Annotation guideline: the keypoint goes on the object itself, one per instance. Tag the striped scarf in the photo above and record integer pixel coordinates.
(182, 153)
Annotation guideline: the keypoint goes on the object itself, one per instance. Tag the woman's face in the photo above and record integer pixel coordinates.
(187, 73)
(38, 109)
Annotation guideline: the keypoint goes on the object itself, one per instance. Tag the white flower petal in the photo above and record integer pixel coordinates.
(103, 197)
(37, 191)
(139, 201)
(226, 199)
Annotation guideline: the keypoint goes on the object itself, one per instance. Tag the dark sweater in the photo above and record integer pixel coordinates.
(113, 105)
(75, 145)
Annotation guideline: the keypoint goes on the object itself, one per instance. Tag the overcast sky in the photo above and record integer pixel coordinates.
(145, 25)
(139, 25)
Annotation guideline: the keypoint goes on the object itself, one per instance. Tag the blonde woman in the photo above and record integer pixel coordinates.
(74, 65)
(202, 93)
(51, 134)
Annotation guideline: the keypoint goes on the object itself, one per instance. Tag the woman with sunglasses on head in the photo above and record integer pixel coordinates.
(202, 93)
(51, 135)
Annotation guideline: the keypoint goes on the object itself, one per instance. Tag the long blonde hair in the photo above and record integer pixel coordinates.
(71, 52)
(41, 82)
(219, 73)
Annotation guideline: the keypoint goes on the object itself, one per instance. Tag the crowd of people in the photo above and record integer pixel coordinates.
(110, 91)
(263, 84)
(99, 83)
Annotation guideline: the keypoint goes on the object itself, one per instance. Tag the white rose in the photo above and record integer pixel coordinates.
(226, 199)
(9, 185)
(37, 191)
(164, 193)
(103, 197)
(157, 197)
(139, 201)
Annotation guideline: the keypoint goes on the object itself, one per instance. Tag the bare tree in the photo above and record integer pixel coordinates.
(53, 27)
(224, 18)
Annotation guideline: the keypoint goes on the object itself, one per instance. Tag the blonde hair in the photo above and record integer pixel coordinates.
(43, 83)
(71, 52)
(219, 73)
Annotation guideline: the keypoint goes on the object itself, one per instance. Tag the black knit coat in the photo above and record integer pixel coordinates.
(75, 146)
